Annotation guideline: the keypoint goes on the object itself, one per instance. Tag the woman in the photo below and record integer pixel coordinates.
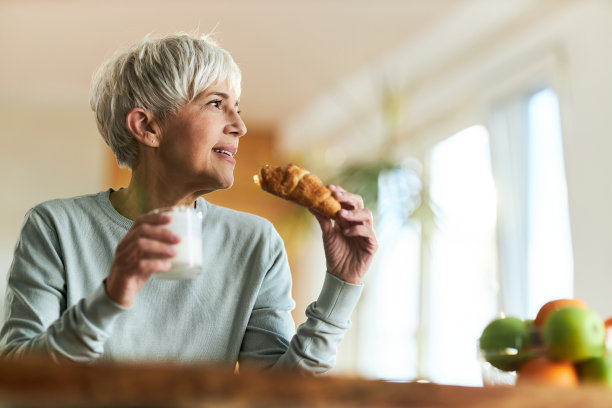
(82, 283)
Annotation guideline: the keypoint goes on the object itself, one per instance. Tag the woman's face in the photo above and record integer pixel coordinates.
(198, 144)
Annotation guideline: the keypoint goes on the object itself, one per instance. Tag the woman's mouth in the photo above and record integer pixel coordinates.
(225, 152)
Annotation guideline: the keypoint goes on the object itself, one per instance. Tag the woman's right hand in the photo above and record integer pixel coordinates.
(142, 252)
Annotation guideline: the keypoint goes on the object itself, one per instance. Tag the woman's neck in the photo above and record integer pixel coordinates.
(147, 193)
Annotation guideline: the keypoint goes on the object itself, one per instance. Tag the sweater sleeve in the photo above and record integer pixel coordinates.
(271, 340)
(37, 319)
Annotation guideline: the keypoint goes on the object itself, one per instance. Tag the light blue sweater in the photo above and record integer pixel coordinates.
(237, 310)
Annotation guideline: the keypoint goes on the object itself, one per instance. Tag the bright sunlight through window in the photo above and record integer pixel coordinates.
(436, 283)
(462, 289)
(390, 303)
(550, 261)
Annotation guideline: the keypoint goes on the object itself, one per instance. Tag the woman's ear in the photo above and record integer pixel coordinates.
(141, 123)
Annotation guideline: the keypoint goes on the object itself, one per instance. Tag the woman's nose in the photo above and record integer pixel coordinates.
(237, 126)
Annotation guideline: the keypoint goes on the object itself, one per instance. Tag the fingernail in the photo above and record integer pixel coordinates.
(344, 212)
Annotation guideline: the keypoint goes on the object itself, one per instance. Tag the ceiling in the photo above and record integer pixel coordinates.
(289, 51)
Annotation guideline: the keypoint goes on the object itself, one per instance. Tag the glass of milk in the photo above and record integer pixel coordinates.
(186, 222)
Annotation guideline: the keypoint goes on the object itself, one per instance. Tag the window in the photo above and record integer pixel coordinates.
(550, 261)
(536, 263)
(432, 288)
(500, 243)
(462, 276)
(390, 303)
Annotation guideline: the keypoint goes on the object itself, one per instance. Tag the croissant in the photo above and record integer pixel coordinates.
(296, 184)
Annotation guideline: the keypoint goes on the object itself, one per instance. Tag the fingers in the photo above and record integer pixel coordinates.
(158, 232)
(347, 200)
(357, 223)
(142, 252)
(353, 220)
(358, 216)
(151, 226)
(151, 266)
(362, 231)
(143, 247)
(147, 239)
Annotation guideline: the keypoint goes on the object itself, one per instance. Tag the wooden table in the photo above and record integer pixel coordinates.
(41, 383)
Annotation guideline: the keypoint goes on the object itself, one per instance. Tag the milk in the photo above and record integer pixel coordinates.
(187, 224)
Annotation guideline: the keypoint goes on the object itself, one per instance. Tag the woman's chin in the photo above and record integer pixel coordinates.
(226, 187)
(211, 184)
(225, 184)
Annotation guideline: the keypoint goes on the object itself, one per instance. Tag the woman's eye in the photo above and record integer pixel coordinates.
(215, 103)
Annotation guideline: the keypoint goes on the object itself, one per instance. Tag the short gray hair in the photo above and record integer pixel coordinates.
(158, 75)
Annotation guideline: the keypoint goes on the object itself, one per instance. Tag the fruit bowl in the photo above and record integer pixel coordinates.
(494, 377)
(505, 344)
(499, 356)
(565, 348)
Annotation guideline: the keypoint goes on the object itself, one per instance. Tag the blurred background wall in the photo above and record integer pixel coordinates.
(374, 86)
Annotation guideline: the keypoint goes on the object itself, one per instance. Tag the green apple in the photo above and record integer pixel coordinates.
(596, 370)
(574, 334)
(502, 343)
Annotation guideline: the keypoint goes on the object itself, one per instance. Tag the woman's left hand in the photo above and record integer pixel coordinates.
(350, 241)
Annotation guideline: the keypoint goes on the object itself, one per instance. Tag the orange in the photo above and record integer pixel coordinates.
(554, 305)
(543, 371)
(608, 328)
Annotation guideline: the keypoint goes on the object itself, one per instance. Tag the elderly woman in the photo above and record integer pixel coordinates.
(82, 286)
